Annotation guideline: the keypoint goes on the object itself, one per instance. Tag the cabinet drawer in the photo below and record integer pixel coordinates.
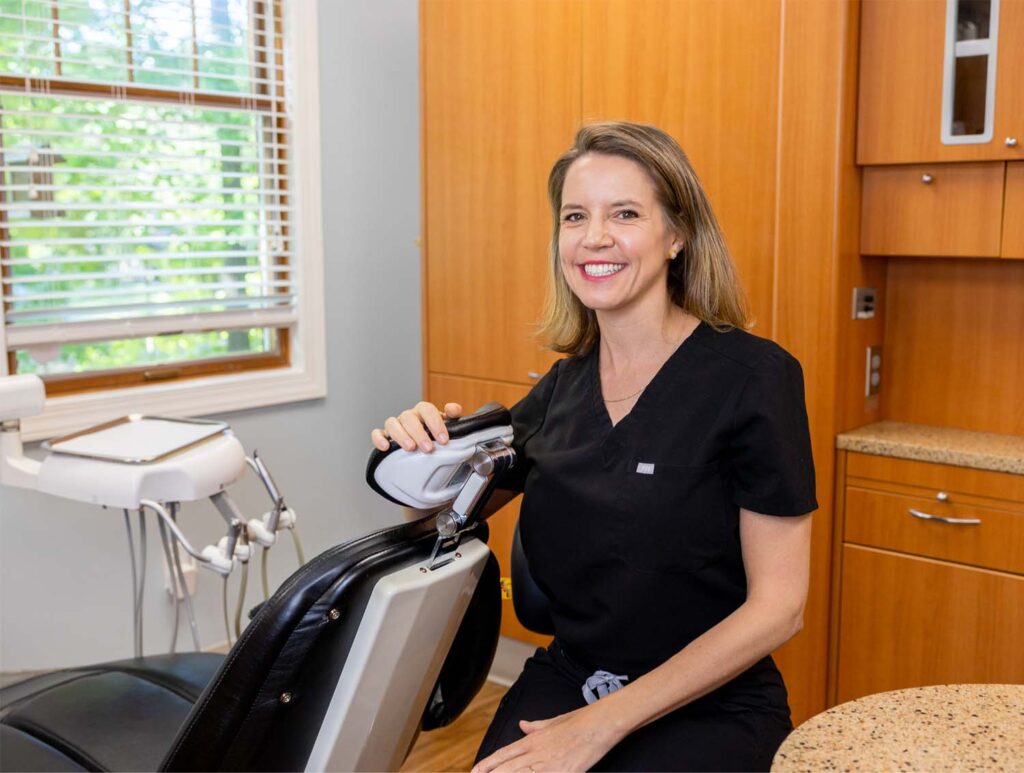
(958, 213)
(885, 520)
(886, 472)
(909, 622)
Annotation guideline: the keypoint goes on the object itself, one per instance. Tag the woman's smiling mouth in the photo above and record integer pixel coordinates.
(598, 271)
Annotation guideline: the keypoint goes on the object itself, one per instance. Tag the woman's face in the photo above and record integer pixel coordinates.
(613, 240)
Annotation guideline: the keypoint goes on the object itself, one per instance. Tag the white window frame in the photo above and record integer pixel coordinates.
(305, 378)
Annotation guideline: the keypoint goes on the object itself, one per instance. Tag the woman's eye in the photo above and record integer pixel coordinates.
(627, 214)
(573, 217)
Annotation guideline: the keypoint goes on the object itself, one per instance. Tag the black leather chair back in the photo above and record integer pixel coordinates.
(532, 607)
(264, 707)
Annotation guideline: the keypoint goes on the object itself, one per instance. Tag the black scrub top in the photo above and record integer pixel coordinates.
(632, 530)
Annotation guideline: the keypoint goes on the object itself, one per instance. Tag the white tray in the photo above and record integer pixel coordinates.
(136, 439)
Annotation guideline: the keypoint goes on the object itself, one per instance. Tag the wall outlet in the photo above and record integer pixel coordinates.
(864, 302)
(873, 371)
(190, 569)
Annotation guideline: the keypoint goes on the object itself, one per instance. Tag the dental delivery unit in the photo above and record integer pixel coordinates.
(359, 650)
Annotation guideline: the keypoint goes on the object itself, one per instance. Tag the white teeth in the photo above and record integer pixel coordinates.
(603, 269)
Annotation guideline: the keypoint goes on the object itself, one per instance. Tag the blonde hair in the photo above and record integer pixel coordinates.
(702, 279)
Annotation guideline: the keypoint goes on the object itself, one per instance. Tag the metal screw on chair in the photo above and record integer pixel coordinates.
(334, 614)
(286, 697)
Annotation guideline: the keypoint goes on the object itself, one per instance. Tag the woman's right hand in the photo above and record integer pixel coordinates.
(409, 428)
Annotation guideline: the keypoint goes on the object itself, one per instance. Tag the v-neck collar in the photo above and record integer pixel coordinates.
(647, 396)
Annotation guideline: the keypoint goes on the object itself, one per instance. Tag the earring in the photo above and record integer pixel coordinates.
(672, 254)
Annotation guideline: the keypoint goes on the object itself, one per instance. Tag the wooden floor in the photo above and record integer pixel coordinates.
(454, 747)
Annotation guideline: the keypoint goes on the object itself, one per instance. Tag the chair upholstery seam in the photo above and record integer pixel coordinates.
(61, 744)
(8, 708)
(176, 687)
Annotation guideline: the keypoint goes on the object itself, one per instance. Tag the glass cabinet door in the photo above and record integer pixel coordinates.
(941, 80)
(969, 78)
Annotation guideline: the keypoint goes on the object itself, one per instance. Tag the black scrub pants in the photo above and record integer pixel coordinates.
(695, 737)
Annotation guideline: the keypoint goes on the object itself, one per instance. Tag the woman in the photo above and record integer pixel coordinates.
(654, 460)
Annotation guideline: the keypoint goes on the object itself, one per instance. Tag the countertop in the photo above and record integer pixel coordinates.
(944, 445)
(951, 727)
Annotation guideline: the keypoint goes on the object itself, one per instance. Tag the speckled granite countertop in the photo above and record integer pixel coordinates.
(951, 727)
(944, 445)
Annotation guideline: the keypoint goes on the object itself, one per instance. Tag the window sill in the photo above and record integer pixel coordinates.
(194, 397)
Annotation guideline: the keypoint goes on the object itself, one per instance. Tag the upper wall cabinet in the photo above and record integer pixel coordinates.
(941, 80)
(501, 91)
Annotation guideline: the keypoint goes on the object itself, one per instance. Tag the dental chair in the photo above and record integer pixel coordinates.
(358, 651)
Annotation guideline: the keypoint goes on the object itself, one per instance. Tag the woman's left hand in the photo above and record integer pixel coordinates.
(568, 742)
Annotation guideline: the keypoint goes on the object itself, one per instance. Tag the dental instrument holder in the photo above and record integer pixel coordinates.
(264, 530)
(139, 462)
(454, 479)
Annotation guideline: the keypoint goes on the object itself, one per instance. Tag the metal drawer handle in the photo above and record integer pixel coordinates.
(927, 517)
(533, 375)
(927, 179)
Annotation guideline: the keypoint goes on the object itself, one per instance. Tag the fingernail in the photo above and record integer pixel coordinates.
(410, 446)
(425, 445)
(443, 437)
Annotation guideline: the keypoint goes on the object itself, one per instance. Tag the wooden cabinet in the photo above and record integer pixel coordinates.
(501, 94)
(952, 210)
(1013, 212)
(908, 622)
(501, 101)
(930, 576)
(903, 64)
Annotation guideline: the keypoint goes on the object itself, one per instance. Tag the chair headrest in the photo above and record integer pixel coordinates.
(429, 481)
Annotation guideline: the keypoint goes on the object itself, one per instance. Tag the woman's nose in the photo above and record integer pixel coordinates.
(597, 234)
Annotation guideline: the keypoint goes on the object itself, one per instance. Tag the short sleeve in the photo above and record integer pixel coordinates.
(527, 418)
(770, 446)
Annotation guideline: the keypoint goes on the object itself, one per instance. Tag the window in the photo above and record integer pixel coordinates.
(151, 154)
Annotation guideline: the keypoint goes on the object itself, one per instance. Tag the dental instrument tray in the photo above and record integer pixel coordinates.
(137, 439)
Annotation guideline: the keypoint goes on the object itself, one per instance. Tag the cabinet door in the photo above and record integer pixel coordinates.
(471, 394)
(1009, 117)
(500, 104)
(1013, 212)
(902, 66)
(910, 622)
(707, 73)
(944, 210)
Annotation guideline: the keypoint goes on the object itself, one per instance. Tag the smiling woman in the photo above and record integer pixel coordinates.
(652, 461)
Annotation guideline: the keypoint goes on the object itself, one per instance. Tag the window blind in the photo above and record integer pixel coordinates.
(144, 152)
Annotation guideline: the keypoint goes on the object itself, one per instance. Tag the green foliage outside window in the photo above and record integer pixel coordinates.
(170, 182)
